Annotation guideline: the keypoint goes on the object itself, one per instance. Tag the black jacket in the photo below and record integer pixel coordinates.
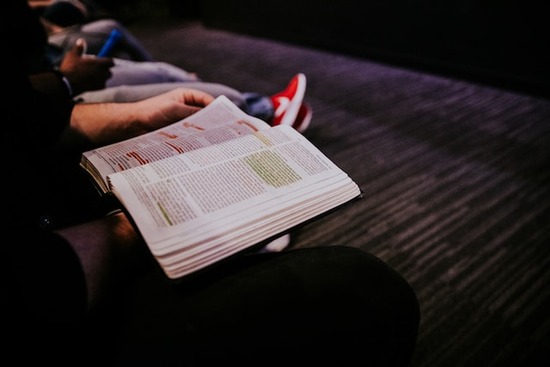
(42, 288)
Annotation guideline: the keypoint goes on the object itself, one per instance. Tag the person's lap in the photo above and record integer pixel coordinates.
(327, 306)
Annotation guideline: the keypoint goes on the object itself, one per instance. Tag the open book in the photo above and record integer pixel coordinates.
(217, 183)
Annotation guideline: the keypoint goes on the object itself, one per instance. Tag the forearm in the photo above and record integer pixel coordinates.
(105, 123)
(102, 123)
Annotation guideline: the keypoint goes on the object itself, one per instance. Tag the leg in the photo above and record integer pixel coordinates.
(322, 306)
(252, 103)
(131, 82)
(127, 72)
(130, 93)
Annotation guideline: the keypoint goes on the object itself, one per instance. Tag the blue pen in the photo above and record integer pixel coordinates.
(110, 43)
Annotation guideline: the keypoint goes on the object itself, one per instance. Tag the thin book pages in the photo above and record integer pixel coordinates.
(196, 208)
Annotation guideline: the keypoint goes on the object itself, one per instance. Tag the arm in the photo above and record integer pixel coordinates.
(77, 73)
(105, 123)
(85, 72)
(109, 248)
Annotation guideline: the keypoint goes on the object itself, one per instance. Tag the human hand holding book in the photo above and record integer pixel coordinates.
(217, 183)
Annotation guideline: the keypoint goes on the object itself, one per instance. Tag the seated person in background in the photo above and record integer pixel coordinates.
(67, 21)
(142, 77)
(82, 290)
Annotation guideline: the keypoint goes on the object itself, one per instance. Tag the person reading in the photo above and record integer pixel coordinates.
(79, 288)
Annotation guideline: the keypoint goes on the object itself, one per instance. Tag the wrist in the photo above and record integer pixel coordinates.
(67, 84)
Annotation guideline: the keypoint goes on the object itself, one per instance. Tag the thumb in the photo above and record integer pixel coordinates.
(80, 46)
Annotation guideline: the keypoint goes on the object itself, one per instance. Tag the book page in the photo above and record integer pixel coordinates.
(223, 198)
(220, 121)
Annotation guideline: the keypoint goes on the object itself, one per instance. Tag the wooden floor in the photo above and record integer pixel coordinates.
(456, 179)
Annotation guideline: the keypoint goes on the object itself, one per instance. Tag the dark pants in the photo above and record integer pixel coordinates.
(327, 306)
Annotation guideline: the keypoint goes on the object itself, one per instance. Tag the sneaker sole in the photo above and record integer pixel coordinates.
(304, 124)
(295, 103)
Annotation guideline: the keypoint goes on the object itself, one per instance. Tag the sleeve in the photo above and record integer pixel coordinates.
(43, 277)
(42, 285)
(42, 291)
(36, 117)
(26, 112)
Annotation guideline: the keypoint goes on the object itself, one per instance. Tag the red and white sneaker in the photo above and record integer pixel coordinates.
(303, 118)
(286, 104)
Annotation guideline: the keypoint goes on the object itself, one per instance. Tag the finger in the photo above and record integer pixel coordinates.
(197, 98)
(80, 46)
(110, 61)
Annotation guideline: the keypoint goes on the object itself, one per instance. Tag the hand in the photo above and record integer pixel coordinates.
(85, 72)
(171, 106)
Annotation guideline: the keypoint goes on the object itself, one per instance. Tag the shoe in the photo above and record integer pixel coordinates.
(303, 118)
(286, 103)
(277, 245)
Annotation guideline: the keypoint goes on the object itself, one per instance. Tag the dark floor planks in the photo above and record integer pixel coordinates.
(456, 178)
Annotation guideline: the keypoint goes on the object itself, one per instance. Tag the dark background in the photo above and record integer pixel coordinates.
(503, 43)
